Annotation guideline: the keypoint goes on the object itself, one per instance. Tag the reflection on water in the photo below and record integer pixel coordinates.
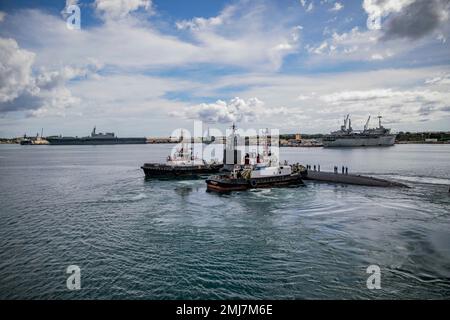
(137, 238)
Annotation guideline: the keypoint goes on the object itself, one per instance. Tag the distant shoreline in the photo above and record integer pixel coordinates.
(281, 145)
(309, 140)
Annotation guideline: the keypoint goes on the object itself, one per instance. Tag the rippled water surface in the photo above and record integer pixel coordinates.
(91, 206)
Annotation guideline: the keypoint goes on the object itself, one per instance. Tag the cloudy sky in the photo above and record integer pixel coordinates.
(147, 67)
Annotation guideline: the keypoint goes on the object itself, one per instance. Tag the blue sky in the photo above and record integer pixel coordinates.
(142, 67)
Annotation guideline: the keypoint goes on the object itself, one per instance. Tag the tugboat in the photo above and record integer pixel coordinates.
(26, 141)
(257, 176)
(181, 164)
(38, 140)
(180, 168)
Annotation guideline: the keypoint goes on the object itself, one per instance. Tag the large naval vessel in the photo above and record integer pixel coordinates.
(94, 139)
(347, 137)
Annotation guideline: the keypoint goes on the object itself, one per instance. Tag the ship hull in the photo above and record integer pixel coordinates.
(225, 184)
(363, 141)
(90, 141)
(167, 171)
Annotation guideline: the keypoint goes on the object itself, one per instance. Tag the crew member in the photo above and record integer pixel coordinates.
(247, 158)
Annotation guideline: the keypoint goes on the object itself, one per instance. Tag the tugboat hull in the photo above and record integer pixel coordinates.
(26, 142)
(225, 184)
(167, 171)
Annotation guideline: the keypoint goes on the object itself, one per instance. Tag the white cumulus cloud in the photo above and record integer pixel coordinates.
(337, 6)
(234, 110)
(15, 70)
(382, 8)
(35, 92)
(203, 23)
(120, 8)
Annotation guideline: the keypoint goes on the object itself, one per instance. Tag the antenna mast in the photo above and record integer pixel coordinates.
(379, 121)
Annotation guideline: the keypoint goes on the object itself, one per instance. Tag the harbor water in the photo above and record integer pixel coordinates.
(133, 238)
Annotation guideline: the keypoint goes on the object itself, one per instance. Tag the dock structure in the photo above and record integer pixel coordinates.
(351, 179)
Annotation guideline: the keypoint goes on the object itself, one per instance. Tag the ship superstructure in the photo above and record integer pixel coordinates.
(94, 139)
(368, 137)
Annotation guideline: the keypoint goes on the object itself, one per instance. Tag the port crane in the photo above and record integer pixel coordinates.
(366, 126)
(346, 120)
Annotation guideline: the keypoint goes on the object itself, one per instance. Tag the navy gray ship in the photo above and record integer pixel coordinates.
(94, 139)
(369, 137)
